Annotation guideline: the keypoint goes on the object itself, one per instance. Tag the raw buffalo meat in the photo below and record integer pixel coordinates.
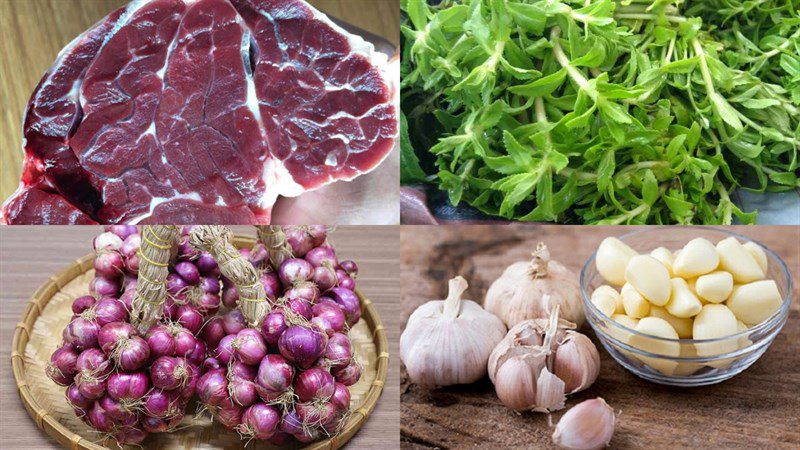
(201, 111)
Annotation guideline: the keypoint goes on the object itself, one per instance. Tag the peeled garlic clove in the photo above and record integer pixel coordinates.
(576, 362)
(739, 262)
(682, 326)
(589, 425)
(687, 368)
(755, 302)
(613, 293)
(660, 328)
(758, 254)
(697, 257)
(650, 278)
(665, 257)
(612, 259)
(683, 303)
(743, 341)
(605, 303)
(715, 321)
(635, 305)
(714, 287)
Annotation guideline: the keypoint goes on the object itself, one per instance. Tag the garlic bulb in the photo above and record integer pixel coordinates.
(449, 341)
(540, 361)
(589, 425)
(531, 289)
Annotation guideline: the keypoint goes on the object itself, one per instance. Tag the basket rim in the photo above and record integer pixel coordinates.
(50, 425)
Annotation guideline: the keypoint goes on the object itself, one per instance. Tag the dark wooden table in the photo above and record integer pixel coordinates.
(759, 408)
(29, 255)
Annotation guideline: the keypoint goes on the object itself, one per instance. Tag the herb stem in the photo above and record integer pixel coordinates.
(638, 16)
(561, 57)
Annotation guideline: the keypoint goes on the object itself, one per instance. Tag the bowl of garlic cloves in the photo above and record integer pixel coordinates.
(685, 306)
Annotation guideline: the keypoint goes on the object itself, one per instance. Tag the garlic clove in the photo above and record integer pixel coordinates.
(654, 326)
(697, 257)
(634, 304)
(758, 254)
(738, 261)
(715, 321)
(683, 326)
(550, 392)
(714, 287)
(613, 293)
(605, 303)
(516, 382)
(611, 259)
(589, 425)
(576, 362)
(755, 302)
(650, 278)
(665, 257)
(683, 303)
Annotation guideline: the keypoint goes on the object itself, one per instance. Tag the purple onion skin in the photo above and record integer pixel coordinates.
(98, 418)
(114, 332)
(350, 267)
(82, 333)
(230, 296)
(245, 252)
(272, 284)
(213, 332)
(169, 372)
(349, 374)
(324, 256)
(161, 404)
(92, 361)
(315, 413)
(260, 420)
(324, 277)
(123, 231)
(210, 285)
(132, 264)
(318, 233)
(212, 387)
(206, 264)
(65, 360)
(190, 318)
(234, 322)
(185, 342)
(299, 240)
(90, 386)
(341, 398)
(273, 326)
(230, 416)
(314, 384)
(186, 251)
(349, 302)
(170, 309)
(208, 304)
(187, 391)
(305, 289)
(175, 284)
(295, 270)
(224, 352)
(131, 245)
(242, 370)
(127, 298)
(154, 424)
(134, 354)
(243, 392)
(189, 272)
(332, 316)
(344, 281)
(275, 376)
(108, 264)
(197, 356)
(107, 241)
(280, 438)
(291, 423)
(76, 399)
(249, 346)
(210, 364)
(109, 310)
(299, 307)
(81, 304)
(104, 287)
(160, 341)
(339, 351)
(301, 345)
(259, 256)
(117, 410)
(128, 386)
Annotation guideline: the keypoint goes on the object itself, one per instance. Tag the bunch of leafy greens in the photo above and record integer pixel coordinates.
(596, 111)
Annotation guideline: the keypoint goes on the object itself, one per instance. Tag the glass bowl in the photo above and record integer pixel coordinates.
(731, 354)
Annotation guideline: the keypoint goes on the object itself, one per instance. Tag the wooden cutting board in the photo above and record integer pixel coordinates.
(759, 408)
(34, 31)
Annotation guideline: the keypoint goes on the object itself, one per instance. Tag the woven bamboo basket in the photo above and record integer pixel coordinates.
(49, 311)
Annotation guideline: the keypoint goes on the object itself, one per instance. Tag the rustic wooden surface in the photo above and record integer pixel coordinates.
(32, 32)
(759, 408)
(29, 255)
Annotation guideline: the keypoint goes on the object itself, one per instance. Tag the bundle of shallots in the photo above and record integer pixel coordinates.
(128, 374)
(281, 362)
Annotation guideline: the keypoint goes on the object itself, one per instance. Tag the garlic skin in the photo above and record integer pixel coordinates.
(531, 289)
(589, 425)
(448, 342)
(540, 361)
